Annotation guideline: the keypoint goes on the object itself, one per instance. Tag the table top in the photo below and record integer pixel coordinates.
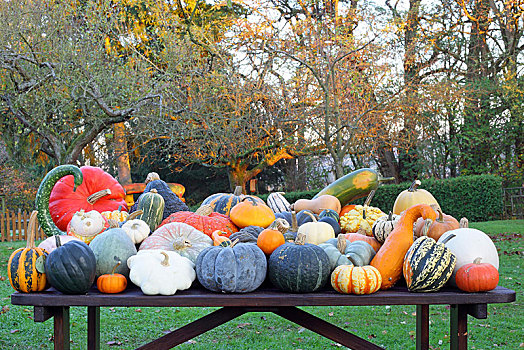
(265, 296)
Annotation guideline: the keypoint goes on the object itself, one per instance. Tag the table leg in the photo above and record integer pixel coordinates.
(422, 336)
(61, 327)
(93, 328)
(459, 327)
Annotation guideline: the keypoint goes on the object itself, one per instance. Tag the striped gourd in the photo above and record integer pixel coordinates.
(383, 226)
(22, 269)
(351, 279)
(152, 205)
(278, 203)
(428, 265)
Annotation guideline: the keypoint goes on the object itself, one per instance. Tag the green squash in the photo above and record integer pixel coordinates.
(428, 265)
(71, 268)
(354, 185)
(360, 253)
(44, 193)
(236, 268)
(329, 213)
(152, 206)
(299, 267)
(248, 234)
(109, 248)
(335, 249)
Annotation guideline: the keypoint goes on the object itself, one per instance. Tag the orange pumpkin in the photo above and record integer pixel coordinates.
(477, 277)
(356, 236)
(273, 237)
(346, 208)
(113, 282)
(390, 258)
(251, 212)
(441, 225)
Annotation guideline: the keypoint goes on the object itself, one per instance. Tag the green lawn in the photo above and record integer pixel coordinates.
(391, 327)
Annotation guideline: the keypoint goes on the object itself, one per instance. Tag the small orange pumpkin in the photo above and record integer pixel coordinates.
(273, 237)
(251, 212)
(477, 277)
(113, 282)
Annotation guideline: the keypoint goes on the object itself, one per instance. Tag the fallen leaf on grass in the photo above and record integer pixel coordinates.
(113, 342)
(384, 332)
(301, 330)
(263, 318)
(191, 342)
(521, 345)
(371, 336)
(14, 331)
(138, 310)
(2, 278)
(10, 248)
(337, 345)
(242, 325)
(5, 308)
(331, 314)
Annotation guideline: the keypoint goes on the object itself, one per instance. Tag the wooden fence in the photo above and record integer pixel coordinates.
(13, 226)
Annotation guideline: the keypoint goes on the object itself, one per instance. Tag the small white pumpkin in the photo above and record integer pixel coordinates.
(137, 230)
(86, 225)
(467, 244)
(316, 232)
(49, 244)
(383, 226)
(278, 203)
(161, 272)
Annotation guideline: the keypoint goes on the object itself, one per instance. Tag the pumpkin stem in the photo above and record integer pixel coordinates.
(234, 242)
(448, 238)
(31, 230)
(294, 222)
(311, 215)
(179, 243)
(384, 179)
(477, 261)
(464, 223)
(134, 214)
(414, 186)
(425, 229)
(165, 262)
(116, 266)
(341, 243)
(301, 238)
(369, 198)
(280, 225)
(97, 195)
(204, 210)
(390, 216)
(440, 214)
(253, 201)
(238, 191)
(57, 241)
(113, 223)
(152, 177)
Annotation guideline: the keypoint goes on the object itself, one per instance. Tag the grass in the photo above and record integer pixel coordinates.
(391, 327)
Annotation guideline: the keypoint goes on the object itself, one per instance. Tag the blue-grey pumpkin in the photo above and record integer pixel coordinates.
(110, 247)
(239, 268)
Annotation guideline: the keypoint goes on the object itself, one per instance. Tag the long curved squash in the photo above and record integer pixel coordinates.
(390, 257)
(44, 193)
(354, 185)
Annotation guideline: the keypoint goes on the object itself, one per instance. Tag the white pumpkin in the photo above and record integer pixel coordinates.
(161, 272)
(137, 230)
(467, 244)
(49, 244)
(316, 232)
(86, 225)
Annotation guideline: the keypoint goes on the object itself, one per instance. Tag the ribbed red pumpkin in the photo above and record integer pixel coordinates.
(64, 202)
(477, 277)
(204, 220)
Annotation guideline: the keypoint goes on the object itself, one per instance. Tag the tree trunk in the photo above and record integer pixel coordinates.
(122, 156)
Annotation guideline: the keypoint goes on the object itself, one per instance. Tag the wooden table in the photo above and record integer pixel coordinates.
(54, 304)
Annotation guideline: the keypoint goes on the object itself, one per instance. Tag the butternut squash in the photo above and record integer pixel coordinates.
(318, 204)
(390, 257)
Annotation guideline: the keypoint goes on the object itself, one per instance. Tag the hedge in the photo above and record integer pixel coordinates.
(477, 197)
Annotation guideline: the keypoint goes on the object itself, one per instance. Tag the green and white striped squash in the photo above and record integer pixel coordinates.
(428, 265)
(383, 226)
(152, 204)
(278, 203)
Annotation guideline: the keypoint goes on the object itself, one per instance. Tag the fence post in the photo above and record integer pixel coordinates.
(3, 236)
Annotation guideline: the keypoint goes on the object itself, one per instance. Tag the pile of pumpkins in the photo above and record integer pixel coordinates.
(235, 242)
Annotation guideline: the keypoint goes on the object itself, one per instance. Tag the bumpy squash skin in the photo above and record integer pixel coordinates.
(238, 269)
(390, 258)
(354, 185)
(44, 193)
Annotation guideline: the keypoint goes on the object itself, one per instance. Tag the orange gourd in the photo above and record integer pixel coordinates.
(441, 225)
(250, 212)
(390, 257)
(356, 236)
(219, 237)
(346, 208)
(477, 277)
(273, 237)
(112, 282)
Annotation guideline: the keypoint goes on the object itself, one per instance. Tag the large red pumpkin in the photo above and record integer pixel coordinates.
(204, 220)
(99, 191)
